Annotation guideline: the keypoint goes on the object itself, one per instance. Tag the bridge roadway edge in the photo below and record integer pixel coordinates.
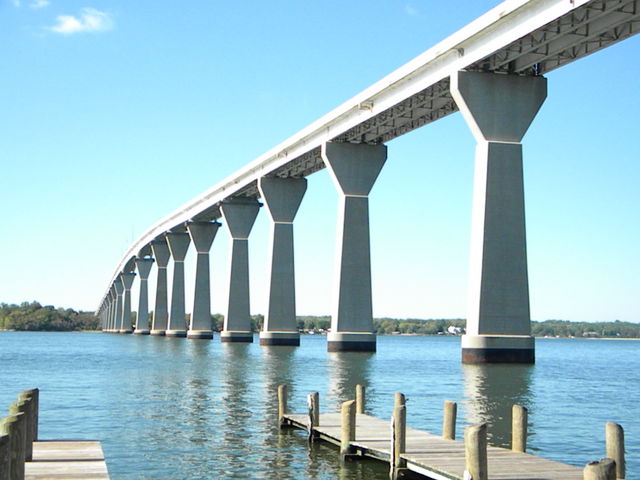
(508, 38)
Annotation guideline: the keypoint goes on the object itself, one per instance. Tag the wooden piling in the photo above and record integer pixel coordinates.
(449, 420)
(313, 403)
(348, 432)
(399, 399)
(360, 398)
(282, 403)
(475, 445)
(34, 393)
(614, 435)
(14, 426)
(25, 406)
(519, 420)
(399, 435)
(605, 469)
(5, 456)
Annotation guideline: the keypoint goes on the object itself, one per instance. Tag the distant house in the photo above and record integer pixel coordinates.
(453, 330)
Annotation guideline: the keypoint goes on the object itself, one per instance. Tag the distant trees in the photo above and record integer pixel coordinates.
(31, 316)
(565, 328)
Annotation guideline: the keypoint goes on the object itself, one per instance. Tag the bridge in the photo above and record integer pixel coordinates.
(492, 71)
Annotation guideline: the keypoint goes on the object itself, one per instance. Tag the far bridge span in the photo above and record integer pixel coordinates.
(493, 71)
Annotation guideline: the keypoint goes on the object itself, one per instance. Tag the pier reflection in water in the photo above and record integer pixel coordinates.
(171, 409)
(346, 370)
(490, 391)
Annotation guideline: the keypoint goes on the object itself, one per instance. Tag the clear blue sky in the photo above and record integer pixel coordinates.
(114, 113)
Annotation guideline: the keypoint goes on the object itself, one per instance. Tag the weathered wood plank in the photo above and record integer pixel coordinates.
(67, 460)
(427, 453)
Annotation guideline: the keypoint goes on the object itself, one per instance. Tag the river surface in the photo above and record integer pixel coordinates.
(167, 408)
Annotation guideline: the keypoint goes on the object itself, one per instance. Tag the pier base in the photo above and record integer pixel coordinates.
(280, 338)
(141, 332)
(351, 342)
(200, 334)
(498, 349)
(236, 337)
(176, 333)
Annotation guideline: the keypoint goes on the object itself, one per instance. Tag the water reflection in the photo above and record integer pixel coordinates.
(490, 392)
(346, 370)
(236, 432)
(276, 366)
(197, 391)
(277, 363)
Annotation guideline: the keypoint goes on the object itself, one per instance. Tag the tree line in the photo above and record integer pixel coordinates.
(32, 316)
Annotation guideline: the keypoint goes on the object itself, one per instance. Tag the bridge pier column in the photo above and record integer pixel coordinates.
(161, 254)
(202, 235)
(142, 321)
(127, 282)
(282, 197)
(119, 286)
(178, 245)
(239, 216)
(112, 309)
(498, 109)
(107, 321)
(354, 168)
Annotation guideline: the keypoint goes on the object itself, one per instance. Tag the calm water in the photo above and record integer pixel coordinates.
(175, 409)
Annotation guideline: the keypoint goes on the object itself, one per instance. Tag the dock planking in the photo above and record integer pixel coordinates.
(431, 455)
(67, 460)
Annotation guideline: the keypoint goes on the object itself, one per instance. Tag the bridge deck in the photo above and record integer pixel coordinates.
(67, 460)
(434, 457)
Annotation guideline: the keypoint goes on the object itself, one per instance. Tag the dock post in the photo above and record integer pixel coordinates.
(398, 399)
(615, 447)
(24, 406)
(282, 404)
(14, 427)
(449, 420)
(313, 402)
(605, 469)
(5, 456)
(34, 393)
(519, 418)
(475, 446)
(348, 426)
(360, 398)
(398, 438)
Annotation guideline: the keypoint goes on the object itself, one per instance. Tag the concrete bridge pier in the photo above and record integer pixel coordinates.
(354, 169)
(498, 109)
(202, 235)
(105, 314)
(282, 197)
(161, 254)
(127, 282)
(239, 214)
(108, 311)
(178, 245)
(143, 265)
(119, 286)
(112, 309)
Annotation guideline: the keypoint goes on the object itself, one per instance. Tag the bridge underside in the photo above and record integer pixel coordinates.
(507, 50)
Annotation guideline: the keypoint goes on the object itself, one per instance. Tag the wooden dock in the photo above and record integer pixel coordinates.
(67, 460)
(432, 456)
